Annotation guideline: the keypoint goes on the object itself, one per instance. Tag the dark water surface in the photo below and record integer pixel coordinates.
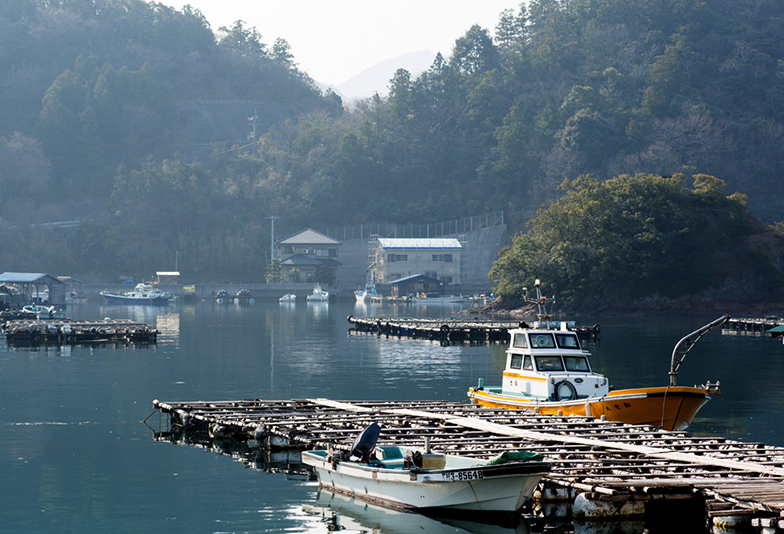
(75, 456)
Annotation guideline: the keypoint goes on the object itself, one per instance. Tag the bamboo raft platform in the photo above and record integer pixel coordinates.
(66, 331)
(451, 330)
(633, 469)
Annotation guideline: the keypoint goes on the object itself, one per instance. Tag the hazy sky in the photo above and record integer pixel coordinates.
(333, 40)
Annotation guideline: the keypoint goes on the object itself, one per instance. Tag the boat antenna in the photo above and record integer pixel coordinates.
(683, 346)
(541, 302)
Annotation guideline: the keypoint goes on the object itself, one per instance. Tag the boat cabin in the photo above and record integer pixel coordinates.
(550, 364)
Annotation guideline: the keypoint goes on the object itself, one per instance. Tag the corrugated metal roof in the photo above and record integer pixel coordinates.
(442, 243)
(23, 278)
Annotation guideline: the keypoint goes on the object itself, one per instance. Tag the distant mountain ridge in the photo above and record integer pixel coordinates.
(376, 78)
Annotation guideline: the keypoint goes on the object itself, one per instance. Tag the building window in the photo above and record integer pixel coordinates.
(397, 257)
(442, 257)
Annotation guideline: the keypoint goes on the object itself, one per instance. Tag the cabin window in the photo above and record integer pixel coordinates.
(520, 342)
(542, 341)
(517, 361)
(549, 363)
(527, 364)
(576, 363)
(567, 341)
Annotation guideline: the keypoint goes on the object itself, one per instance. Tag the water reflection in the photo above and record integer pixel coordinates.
(346, 514)
(165, 319)
(318, 310)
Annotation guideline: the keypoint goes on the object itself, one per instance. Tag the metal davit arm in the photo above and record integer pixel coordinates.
(683, 346)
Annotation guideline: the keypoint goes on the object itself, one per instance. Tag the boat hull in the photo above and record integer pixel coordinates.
(122, 299)
(496, 488)
(439, 300)
(670, 408)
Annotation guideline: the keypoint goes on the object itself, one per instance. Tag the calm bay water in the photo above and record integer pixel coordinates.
(75, 456)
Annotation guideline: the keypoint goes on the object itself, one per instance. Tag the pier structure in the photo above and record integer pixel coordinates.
(750, 325)
(451, 330)
(67, 331)
(600, 468)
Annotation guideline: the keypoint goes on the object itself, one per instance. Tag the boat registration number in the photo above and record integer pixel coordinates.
(461, 476)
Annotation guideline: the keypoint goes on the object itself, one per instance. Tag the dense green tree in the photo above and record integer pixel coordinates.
(633, 237)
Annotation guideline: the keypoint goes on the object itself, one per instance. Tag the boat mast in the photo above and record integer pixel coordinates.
(680, 352)
(541, 304)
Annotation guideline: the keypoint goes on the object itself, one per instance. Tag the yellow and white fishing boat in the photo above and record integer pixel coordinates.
(548, 372)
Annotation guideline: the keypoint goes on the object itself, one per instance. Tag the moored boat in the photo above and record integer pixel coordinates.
(288, 297)
(400, 477)
(40, 311)
(318, 295)
(364, 296)
(548, 372)
(244, 296)
(142, 294)
(435, 298)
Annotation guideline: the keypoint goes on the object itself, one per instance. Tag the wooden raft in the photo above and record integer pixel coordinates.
(66, 331)
(601, 459)
(452, 330)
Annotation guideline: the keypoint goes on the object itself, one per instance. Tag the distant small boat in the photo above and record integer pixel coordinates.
(288, 297)
(435, 298)
(367, 294)
(400, 477)
(222, 297)
(244, 296)
(142, 294)
(39, 311)
(318, 295)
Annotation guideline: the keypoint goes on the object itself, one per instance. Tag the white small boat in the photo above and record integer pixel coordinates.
(318, 295)
(288, 297)
(366, 295)
(141, 294)
(399, 477)
(40, 312)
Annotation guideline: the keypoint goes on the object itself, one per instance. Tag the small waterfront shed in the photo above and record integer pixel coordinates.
(29, 283)
(168, 277)
(417, 283)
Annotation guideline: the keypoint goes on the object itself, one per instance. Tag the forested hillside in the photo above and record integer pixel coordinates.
(108, 103)
(87, 85)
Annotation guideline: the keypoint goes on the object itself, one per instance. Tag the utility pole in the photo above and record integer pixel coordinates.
(252, 134)
(272, 237)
